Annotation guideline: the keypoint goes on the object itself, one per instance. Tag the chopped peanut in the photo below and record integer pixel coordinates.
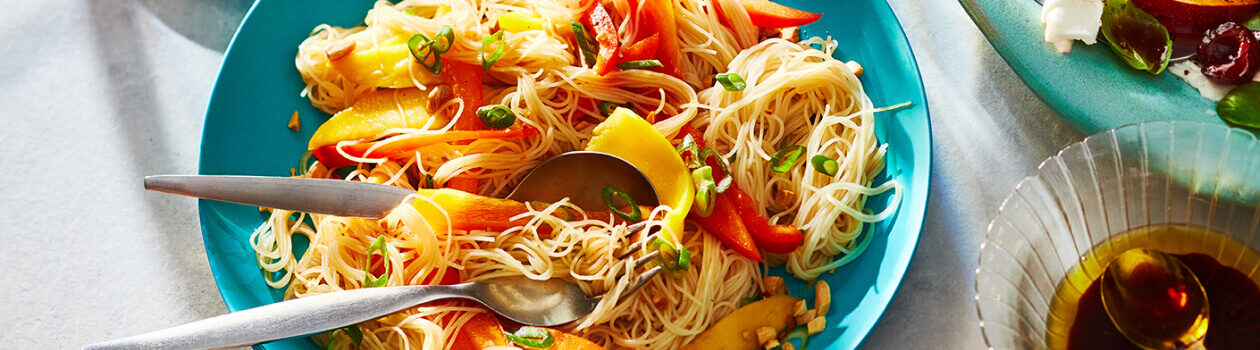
(792, 34)
(773, 285)
(438, 96)
(800, 308)
(783, 198)
(822, 297)
(816, 325)
(807, 316)
(766, 334)
(295, 124)
(855, 67)
(772, 344)
(788, 346)
(339, 49)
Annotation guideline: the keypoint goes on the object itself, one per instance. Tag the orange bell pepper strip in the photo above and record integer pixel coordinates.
(464, 79)
(469, 211)
(765, 13)
(400, 148)
(484, 331)
(606, 36)
(643, 50)
(659, 14)
(480, 332)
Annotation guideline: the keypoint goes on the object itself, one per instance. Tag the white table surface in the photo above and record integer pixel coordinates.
(98, 93)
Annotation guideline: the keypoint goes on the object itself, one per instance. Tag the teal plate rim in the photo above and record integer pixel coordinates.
(257, 89)
(1092, 88)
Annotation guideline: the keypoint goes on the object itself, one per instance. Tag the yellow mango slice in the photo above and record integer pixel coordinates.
(387, 65)
(374, 113)
(738, 331)
(519, 21)
(628, 136)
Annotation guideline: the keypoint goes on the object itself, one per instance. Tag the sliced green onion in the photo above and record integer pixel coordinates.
(532, 337)
(707, 153)
(690, 152)
(706, 190)
(746, 301)
(421, 49)
(635, 215)
(785, 158)
(304, 162)
(428, 180)
(368, 279)
(799, 333)
(496, 38)
(344, 172)
(640, 64)
(606, 107)
(825, 165)
(731, 81)
(439, 44)
(583, 44)
(356, 336)
(496, 116)
(672, 259)
(410, 12)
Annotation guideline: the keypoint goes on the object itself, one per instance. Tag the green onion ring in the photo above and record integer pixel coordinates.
(487, 62)
(532, 337)
(785, 158)
(635, 215)
(496, 116)
(368, 279)
(731, 81)
(825, 165)
(640, 64)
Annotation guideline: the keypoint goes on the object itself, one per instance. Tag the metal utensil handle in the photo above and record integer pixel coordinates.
(286, 319)
(323, 196)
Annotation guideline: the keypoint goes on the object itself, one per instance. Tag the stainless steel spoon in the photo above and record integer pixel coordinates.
(579, 176)
(1155, 300)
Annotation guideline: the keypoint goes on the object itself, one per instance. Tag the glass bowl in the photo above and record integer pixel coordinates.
(1116, 190)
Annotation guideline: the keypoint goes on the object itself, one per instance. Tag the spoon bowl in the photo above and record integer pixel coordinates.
(1155, 300)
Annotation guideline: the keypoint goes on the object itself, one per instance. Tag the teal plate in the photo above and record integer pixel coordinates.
(257, 91)
(1091, 87)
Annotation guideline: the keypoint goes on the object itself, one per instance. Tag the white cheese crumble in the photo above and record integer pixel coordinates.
(1069, 20)
(1192, 73)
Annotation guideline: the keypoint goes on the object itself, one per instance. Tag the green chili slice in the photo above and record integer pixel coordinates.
(825, 165)
(532, 337)
(368, 279)
(356, 336)
(496, 116)
(731, 81)
(443, 40)
(583, 44)
(421, 49)
(785, 158)
(707, 153)
(690, 152)
(635, 215)
(304, 163)
(496, 38)
(640, 64)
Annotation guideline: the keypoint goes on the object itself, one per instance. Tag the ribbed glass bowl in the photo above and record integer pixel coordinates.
(1115, 190)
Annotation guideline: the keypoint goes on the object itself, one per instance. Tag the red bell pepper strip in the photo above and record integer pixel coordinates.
(400, 148)
(765, 13)
(606, 36)
(659, 14)
(781, 239)
(724, 223)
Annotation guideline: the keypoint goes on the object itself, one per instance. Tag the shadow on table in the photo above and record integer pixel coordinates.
(209, 23)
(120, 40)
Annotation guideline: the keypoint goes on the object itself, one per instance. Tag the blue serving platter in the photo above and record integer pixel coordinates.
(257, 90)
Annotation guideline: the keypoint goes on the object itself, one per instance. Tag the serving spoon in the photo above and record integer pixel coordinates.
(1155, 300)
